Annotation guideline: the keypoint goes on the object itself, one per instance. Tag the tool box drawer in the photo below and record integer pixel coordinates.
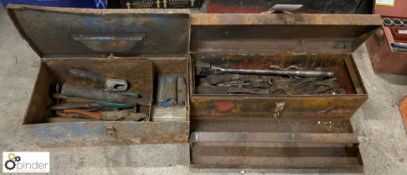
(259, 142)
(341, 100)
(99, 77)
(276, 90)
(315, 51)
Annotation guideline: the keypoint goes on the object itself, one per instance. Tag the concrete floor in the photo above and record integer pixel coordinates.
(378, 123)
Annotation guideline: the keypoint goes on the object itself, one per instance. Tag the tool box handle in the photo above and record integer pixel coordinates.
(109, 42)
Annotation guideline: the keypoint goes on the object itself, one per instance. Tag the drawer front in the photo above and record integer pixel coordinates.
(279, 107)
(108, 133)
(250, 142)
(325, 152)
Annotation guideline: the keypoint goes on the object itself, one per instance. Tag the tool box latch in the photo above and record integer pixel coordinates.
(278, 108)
(111, 131)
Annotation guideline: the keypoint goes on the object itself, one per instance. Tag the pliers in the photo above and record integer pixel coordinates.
(110, 115)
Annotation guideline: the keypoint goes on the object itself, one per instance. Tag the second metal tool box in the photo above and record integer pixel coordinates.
(231, 130)
(285, 131)
(136, 45)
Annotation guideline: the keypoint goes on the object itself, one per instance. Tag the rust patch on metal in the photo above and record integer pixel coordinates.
(223, 107)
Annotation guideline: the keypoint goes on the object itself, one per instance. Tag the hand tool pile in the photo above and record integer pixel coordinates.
(108, 101)
(277, 81)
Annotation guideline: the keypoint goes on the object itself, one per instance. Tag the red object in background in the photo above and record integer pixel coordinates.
(382, 56)
(397, 36)
(388, 35)
(399, 9)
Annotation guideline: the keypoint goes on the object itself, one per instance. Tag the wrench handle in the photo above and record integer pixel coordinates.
(79, 73)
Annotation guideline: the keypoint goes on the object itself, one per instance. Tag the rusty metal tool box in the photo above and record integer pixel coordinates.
(137, 45)
(235, 131)
(289, 131)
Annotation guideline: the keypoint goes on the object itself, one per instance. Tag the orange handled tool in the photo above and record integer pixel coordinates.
(94, 115)
(403, 111)
(110, 115)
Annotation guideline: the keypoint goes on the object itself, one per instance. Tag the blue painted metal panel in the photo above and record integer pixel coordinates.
(66, 32)
(95, 133)
(60, 3)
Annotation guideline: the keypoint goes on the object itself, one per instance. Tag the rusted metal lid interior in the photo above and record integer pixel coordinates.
(280, 33)
(69, 32)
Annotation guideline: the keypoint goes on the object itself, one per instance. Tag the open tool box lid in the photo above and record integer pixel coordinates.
(280, 33)
(73, 32)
